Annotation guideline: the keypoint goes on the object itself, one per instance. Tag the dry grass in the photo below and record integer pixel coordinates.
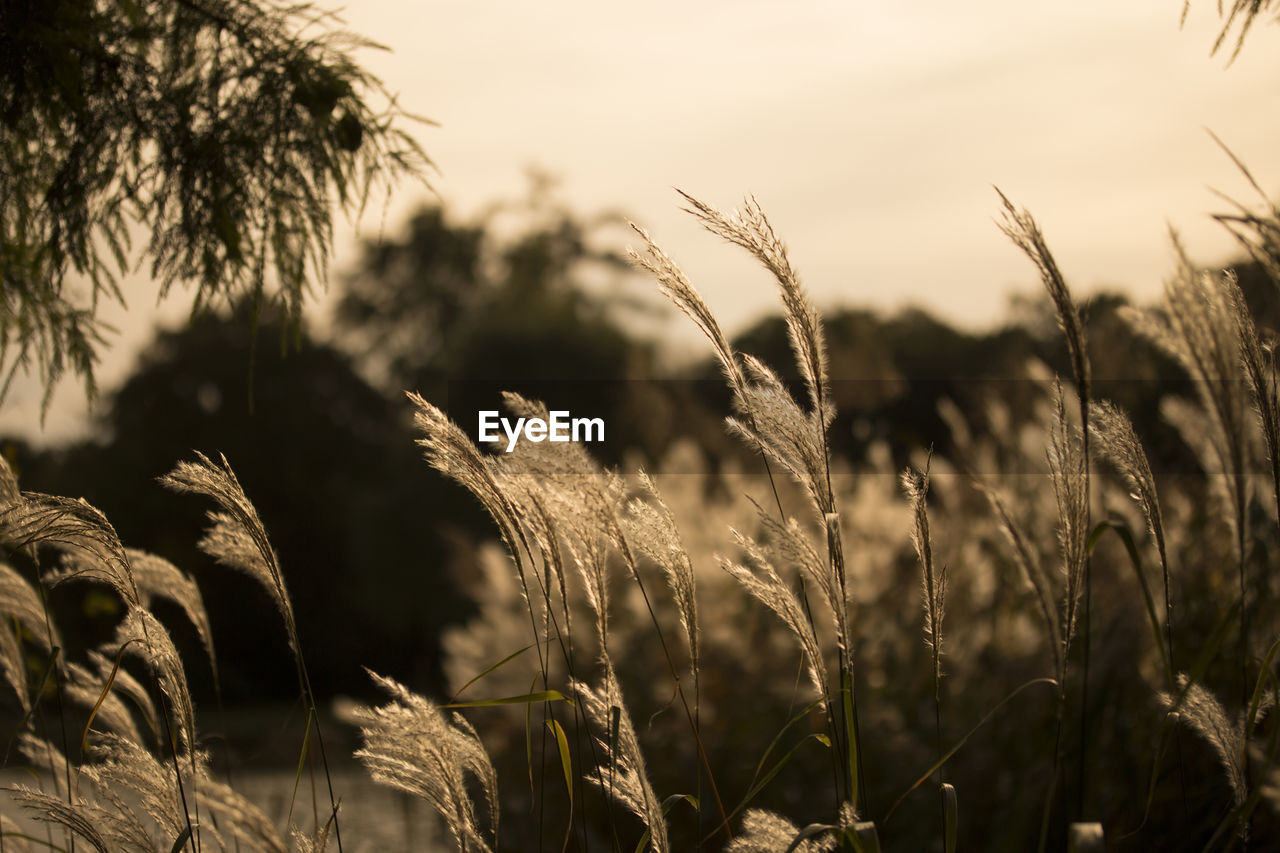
(658, 705)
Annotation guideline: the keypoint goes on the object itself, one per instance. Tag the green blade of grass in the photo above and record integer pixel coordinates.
(522, 699)
(508, 659)
(851, 735)
(181, 840)
(864, 837)
(528, 734)
(562, 744)
(35, 702)
(31, 838)
(1210, 649)
(566, 764)
(1198, 668)
(302, 760)
(813, 830)
(933, 768)
(102, 697)
(1121, 529)
(1259, 686)
(778, 737)
(951, 807)
(759, 785)
(666, 810)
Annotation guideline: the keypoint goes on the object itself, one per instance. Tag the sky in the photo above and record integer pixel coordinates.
(873, 134)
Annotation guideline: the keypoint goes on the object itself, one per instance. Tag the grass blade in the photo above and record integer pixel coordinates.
(933, 768)
(760, 784)
(492, 669)
(666, 810)
(1121, 529)
(181, 840)
(566, 764)
(522, 699)
(106, 690)
(851, 734)
(951, 807)
(1259, 686)
(864, 837)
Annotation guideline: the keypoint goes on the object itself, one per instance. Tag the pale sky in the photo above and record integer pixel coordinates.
(872, 132)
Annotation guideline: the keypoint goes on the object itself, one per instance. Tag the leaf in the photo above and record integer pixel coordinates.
(1216, 638)
(1121, 529)
(933, 768)
(562, 745)
(864, 838)
(522, 699)
(813, 830)
(181, 840)
(666, 810)
(493, 669)
(768, 777)
(951, 809)
(851, 734)
(302, 760)
(1259, 686)
(106, 690)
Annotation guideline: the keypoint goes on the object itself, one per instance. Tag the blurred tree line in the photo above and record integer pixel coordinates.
(376, 547)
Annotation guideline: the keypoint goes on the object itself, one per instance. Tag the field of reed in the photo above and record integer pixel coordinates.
(1038, 640)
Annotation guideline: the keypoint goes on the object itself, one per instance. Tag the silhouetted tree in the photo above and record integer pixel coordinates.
(460, 314)
(224, 130)
(331, 466)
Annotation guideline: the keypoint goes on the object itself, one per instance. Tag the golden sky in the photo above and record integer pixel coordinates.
(872, 133)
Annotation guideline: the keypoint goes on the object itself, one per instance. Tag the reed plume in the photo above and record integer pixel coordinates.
(236, 537)
(22, 611)
(1200, 327)
(410, 746)
(759, 578)
(767, 832)
(1205, 715)
(1117, 441)
(1033, 573)
(651, 524)
(621, 774)
(1068, 472)
(141, 635)
(771, 420)
(933, 580)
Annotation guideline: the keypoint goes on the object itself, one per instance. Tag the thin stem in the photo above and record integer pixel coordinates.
(57, 680)
(1082, 387)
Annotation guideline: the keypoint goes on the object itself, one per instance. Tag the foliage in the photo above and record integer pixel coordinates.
(222, 129)
(1240, 14)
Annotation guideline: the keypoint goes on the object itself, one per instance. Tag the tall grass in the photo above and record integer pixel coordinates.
(655, 669)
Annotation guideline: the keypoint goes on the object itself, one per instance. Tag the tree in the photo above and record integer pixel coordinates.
(1242, 13)
(331, 466)
(225, 129)
(461, 312)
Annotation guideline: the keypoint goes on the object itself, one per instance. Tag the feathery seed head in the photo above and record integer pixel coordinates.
(621, 775)
(1020, 227)
(409, 745)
